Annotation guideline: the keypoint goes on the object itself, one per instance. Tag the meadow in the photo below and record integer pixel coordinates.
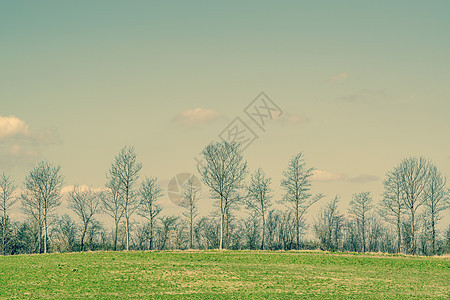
(223, 275)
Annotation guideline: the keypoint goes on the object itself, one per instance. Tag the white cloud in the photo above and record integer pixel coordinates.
(197, 116)
(364, 178)
(19, 145)
(339, 77)
(322, 175)
(292, 119)
(82, 188)
(12, 126)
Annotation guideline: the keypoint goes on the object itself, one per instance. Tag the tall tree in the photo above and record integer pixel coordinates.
(413, 174)
(125, 170)
(436, 197)
(360, 205)
(112, 203)
(150, 191)
(223, 172)
(297, 184)
(85, 204)
(42, 195)
(7, 200)
(392, 207)
(191, 194)
(259, 198)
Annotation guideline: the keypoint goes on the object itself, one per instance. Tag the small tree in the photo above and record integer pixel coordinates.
(328, 226)
(259, 198)
(7, 200)
(360, 206)
(125, 170)
(297, 184)
(85, 204)
(42, 195)
(392, 206)
(191, 194)
(112, 204)
(436, 197)
(150, 192)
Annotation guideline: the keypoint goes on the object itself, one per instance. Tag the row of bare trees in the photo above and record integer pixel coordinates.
(413, 188)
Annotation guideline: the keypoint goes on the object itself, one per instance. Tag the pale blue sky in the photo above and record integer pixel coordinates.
(366, 84)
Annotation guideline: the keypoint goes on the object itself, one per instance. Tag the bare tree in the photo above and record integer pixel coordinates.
(224, 174)
(259, 198)
(85, 204)
(297, 184)
(7, 200)
(436, 197)
(42, 195)
(360, 205)
(413, 174)
(125, 170)
(392, 207)
(150, 191)
(328, 226)
(112, 204)
(191, 194)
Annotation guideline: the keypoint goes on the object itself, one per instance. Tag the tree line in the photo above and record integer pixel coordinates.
(404, 220)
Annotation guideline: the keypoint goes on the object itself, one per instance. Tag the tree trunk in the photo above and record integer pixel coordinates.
(128, 231)
(221, 224)
(433, 232)
(4, 233)
(116, 231)
(150, 244)
(297, 229)
(364, 233)
(263, 231)
(82, 238)
(413, 239)
(399, 233)
(45, 234)
(191, 232)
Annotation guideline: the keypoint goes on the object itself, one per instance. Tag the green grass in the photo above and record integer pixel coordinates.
(223, 274)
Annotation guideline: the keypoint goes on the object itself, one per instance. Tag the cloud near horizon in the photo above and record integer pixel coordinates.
(364, 178)
(197, 116)
(292, 119)
(326, 176)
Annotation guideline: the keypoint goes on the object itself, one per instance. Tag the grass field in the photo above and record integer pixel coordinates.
(223, 275)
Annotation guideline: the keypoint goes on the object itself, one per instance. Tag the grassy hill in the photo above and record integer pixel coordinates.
(223, 274)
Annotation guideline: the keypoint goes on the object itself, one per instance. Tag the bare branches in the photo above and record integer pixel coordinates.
(223, 173)
(297, 184)
(150, 191)
(42, 195)
(7, 200)
(85, 203)
(259, 198)
(125, 172)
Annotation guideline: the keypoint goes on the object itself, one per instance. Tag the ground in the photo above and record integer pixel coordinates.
(224, 275)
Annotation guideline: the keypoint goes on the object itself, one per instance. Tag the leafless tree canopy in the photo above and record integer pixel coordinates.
(224, 173)
(259, 198)
(296, 183)
(149, 192)
(86, 204)
(42, 196)
(125, 170)
(7, 200)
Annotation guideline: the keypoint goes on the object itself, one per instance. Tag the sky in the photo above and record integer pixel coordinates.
(361, 85)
